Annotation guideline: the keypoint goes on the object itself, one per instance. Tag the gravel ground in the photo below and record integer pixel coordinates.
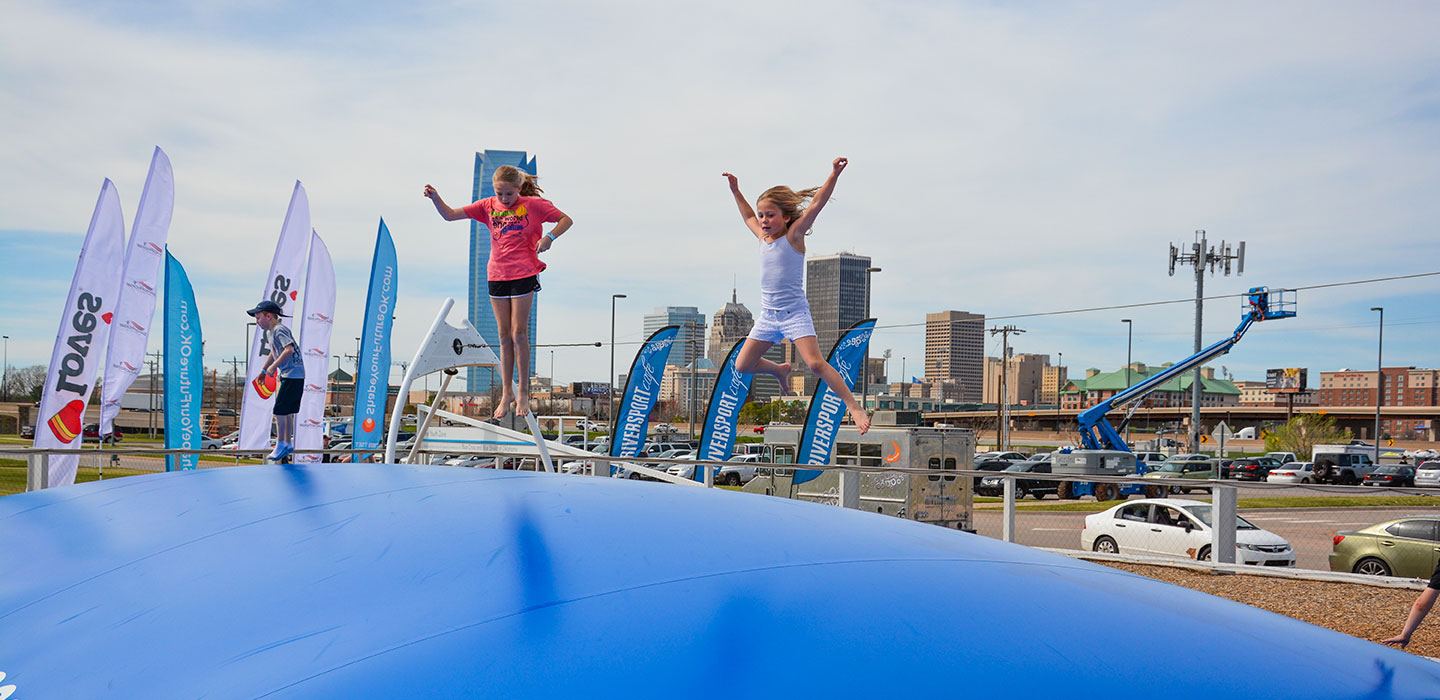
(1367, 612)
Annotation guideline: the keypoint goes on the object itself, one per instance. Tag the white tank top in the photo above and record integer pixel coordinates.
(782, 275)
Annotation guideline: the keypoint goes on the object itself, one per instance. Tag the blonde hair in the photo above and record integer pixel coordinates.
(791, 203)
(512, 175)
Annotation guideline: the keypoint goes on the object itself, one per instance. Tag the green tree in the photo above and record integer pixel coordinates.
(1303, 432)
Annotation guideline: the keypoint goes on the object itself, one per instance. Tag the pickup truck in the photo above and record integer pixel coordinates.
(1282, 457)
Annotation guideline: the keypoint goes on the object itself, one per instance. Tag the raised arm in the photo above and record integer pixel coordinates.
(807, 219)
(746, 211)
(446, 212)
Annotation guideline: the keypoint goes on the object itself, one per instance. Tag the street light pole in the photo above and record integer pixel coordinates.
(1129, 336)
(610, 398)
(1379, 378)
(5, 383)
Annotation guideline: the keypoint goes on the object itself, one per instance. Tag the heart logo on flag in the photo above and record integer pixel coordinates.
(294, 294)
(368, 425)
(65, 424)
(107, 316)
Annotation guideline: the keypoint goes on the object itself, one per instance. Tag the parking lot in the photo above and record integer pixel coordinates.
(1309, 530)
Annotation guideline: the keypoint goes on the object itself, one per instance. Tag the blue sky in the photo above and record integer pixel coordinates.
(1004, 159)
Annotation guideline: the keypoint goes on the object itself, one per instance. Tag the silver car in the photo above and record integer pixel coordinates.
(1428, 473)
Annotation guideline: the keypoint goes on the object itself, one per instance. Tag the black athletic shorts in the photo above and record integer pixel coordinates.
(287, 397)
(508, 289)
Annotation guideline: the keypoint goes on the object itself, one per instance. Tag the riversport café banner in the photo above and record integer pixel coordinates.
(817, 442)
(717, 439)
(642, 391)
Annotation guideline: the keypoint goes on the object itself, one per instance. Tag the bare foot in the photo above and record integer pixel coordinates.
(862, 421)
(783, 376)
(503, 406)
(522, 404)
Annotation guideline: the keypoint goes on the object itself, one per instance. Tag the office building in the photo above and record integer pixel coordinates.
(955, 351)
(1403, 386)
(1023, 379)
(485, 379)
(1052, 378)
(689, 342)
(839, 296)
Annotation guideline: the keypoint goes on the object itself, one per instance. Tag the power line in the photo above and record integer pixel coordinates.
(1115, 307)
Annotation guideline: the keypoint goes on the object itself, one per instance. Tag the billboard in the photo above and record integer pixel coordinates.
(590, 388)
(1290, 380)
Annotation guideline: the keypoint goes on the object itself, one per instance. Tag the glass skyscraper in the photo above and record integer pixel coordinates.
(483, 379)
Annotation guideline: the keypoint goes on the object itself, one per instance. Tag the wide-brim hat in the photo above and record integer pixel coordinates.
(267, 305)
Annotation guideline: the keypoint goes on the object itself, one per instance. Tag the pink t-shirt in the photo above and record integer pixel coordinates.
(514, 233)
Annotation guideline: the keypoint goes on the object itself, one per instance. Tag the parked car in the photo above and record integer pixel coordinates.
(27, 432)
(991, 465)
(665, 429)
(1428, 473)
(209, 443)
(1152, 459)
(1224, 466)
(228, 413)
(1193, 466)
(1391, 475)
(1252, 468)
(1181, 528)
(995, 485)
(737, 475)
(1292, 473)
(1405, 547)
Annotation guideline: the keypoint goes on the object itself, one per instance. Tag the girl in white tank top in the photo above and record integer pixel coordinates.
(780, 221)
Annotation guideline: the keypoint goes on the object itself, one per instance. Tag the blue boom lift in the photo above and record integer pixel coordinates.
(1096, 433)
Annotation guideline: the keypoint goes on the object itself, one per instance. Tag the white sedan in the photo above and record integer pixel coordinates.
(1292, 473)
(1176, 527)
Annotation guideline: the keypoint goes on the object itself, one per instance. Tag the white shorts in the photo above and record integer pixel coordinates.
(771, 326)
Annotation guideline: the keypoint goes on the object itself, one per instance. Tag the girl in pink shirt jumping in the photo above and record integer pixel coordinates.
(780, 220)
(514, 216)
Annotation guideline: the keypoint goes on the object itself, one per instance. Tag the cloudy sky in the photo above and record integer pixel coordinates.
(1005, 159)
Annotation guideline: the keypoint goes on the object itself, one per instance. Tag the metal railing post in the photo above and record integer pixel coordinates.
(849, 489)
(1007, 530)
(1222, 531)
(37, 472)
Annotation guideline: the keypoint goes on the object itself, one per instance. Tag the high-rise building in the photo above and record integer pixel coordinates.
(728, 325)
(1052, 380)
(835, 286)
(955, 350)
(731, 323)
(1023, 378)
(484, 379)
(690, 341)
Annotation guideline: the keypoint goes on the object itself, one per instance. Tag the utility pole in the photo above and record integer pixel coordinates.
(694, 360)
(1002, 435)
(1201, 256)
(154, 367)
(234, 363)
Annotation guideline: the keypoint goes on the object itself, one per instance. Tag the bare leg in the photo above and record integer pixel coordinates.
(520, 333)
(751, 359)
(809, 349)
(507, 354)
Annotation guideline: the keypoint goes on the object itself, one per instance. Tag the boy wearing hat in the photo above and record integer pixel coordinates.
(284, 359)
